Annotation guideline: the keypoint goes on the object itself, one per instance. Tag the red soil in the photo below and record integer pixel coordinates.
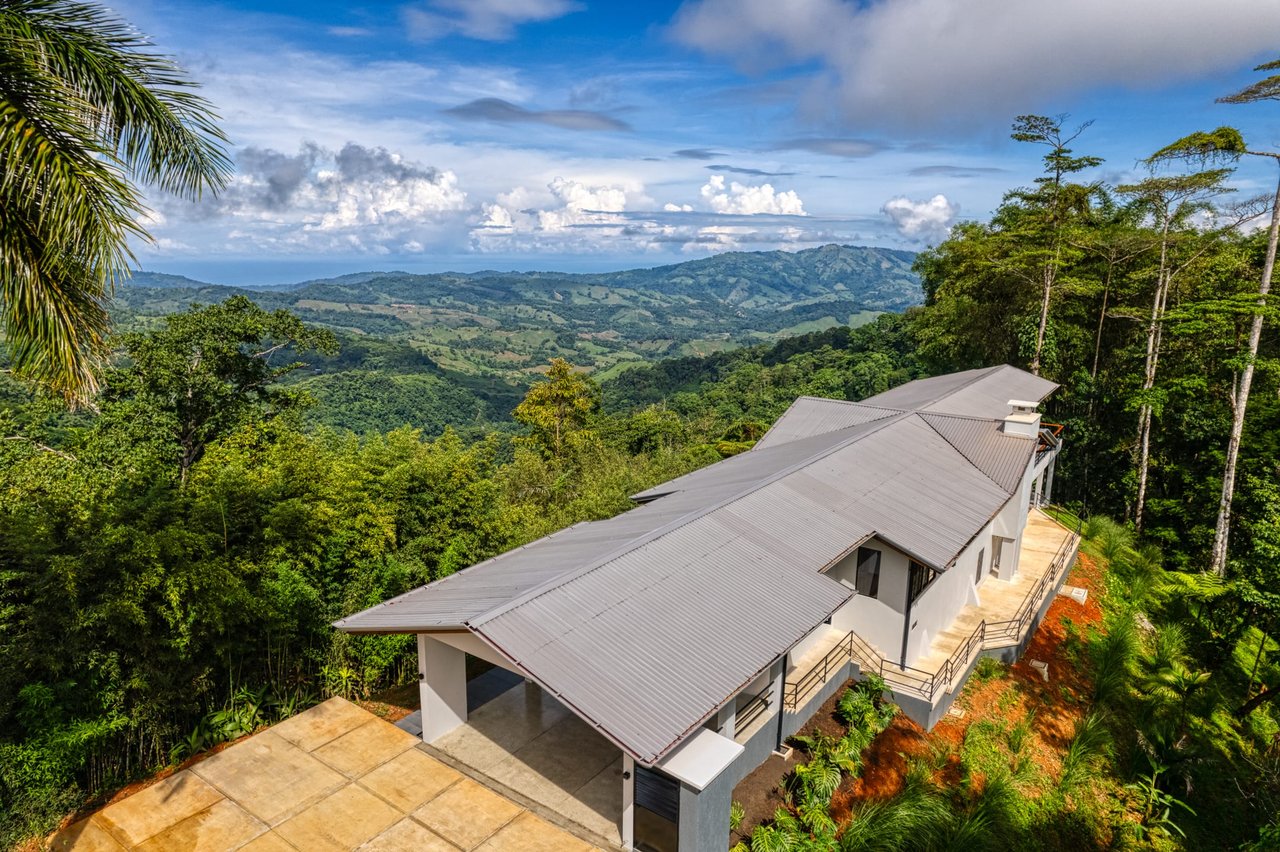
(1058, 704)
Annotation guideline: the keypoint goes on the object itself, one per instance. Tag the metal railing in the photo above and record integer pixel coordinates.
(794, 692)
(926, 685)
(748, 713)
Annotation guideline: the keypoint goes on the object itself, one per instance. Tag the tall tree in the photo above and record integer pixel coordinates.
(1264, 90)
(87, 113)
(206, 372)
(1172, 201)
(1057, 201)
(558, 405)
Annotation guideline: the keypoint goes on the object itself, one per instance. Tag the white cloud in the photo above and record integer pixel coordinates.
(487, 20)
(748, 200)
(922, 220)
(930, 62)
(356, 199)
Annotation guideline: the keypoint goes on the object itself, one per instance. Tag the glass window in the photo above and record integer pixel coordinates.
(921, 576)
(868, 579)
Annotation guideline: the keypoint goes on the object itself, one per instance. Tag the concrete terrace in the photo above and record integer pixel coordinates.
(1001, 601)
(334, 777)
(526, 742)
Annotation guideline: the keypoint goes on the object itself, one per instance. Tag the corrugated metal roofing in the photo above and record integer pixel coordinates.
(810, 416)
(976, 393)
(645, 623)
(1000, 456)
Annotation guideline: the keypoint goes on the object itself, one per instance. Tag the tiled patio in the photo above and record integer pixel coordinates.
(527, 742)
(332, 778)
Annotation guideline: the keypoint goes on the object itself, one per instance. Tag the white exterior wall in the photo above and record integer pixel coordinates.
(874, 622)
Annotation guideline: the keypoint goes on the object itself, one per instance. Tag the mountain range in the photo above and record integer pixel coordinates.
(472, 341)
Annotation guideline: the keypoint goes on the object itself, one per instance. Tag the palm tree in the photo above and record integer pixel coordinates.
(87, 114)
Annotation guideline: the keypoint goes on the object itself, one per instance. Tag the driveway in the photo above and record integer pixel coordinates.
(335, 777)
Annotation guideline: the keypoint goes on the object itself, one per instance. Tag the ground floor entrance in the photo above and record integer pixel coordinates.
(529, 743)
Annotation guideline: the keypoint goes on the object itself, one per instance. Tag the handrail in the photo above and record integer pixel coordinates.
(902, 678)
(751, 711)
(818, 673)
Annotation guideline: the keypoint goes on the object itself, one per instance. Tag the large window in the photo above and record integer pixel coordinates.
(868, 579)
(921, 577)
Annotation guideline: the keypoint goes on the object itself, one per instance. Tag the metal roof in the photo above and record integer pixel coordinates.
(644, 624)
(977, 393)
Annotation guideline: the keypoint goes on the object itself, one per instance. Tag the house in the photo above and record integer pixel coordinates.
(673, 647)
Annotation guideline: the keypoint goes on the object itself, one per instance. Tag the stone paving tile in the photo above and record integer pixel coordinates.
(150, 811)
(269, 842)
(219, 827)
(408, 836)
(339, 822)
(269, 777)
(528, 833)
(410, 779)
(467, 813)
(322, 723)
(363, 748)
(88, 835)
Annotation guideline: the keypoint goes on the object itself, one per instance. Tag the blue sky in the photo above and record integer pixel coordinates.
(581, 135)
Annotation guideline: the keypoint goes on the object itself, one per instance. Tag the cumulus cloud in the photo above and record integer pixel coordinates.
(922, 220)
(916, 63)
(504, 112)
(748, 200)
(487, 20)
(355, 199)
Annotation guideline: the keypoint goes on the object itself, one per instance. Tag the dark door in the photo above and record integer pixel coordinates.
(657, 818)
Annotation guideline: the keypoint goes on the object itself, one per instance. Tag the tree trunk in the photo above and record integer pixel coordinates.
(1149, 376)
(1218, 560)
(1050, 272)
(1257, 701)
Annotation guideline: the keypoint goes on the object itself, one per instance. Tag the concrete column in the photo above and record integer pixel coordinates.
(1048, 483)
(728, 719)
(628, 802)
(1035, 490)
(442, 684)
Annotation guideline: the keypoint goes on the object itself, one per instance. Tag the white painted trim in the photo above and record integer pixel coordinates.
(628, 801)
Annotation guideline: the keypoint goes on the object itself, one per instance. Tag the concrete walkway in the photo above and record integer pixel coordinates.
(332, 778)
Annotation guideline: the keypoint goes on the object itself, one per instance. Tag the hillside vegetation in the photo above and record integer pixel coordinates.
(170, 562)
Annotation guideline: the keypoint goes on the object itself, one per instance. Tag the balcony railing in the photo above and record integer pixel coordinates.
(928, 685)
(794, 692)
(749, 713)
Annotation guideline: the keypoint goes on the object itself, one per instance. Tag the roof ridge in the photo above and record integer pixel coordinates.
(982, 373)
(677, 523)
(963, 454)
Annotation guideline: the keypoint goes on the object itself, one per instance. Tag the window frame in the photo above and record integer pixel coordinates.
(867, 556)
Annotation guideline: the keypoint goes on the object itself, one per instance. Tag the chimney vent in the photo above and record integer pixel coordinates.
(1023, 420)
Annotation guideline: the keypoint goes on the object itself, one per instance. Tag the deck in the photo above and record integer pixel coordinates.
(1004, 618)
(1002, 599)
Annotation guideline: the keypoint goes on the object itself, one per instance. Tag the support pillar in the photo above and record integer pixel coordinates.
(728, 719)
(442, 685)
(1048, 482)
(628, 802)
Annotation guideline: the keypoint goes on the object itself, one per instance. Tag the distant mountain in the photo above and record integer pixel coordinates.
(505, 326)
(161, 280)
